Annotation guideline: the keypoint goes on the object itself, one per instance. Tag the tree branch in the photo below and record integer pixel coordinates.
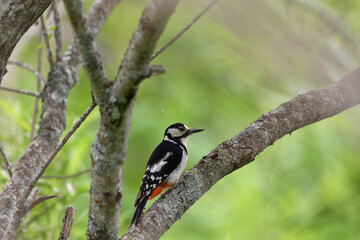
(96, 17)
(57, 33)
(67, 223)
(46, 41)
(109, 147)
(179, 34)
(19, 16)
(135, 64)
(89, 52)
(60, 80)
(240, 150)
(58, 147)
(25, 92)
(5, 161)
(38, 201)
(38, 80)
(28, 67)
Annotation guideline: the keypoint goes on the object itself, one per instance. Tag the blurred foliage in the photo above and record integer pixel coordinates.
(241, 60)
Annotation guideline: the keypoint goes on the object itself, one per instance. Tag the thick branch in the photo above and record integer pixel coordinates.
(109, 148)
(135, 64)
(96, 17)
(14, 194)
(89, 52)
(15, 19)
(240, 150)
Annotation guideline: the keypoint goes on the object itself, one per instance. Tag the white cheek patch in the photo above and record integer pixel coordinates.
(159, 165)
(175, 132)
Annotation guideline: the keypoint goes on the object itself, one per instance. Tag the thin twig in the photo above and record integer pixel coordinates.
(67, 223)
(46, 40)
(26, 92)
(57, 32)
(28, 67)
(32, 197)
(36, 103)
(177, 36)
(32, 200)
(76, 125)
(67, 176)
(5, 161)
(48, 13)
(39, 200)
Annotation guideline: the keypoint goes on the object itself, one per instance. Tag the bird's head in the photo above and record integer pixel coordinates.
(179, 131)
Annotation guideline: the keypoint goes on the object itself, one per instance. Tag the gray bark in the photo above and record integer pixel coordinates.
(16, 17)
(61, 78)
(115, 104)
(242, 149)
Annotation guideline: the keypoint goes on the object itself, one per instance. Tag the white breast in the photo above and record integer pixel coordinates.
(173, 178)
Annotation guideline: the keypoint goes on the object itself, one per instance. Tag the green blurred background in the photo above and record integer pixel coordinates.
(241, 60)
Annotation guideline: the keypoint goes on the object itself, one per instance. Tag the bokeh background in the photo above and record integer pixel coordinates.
(239, 61)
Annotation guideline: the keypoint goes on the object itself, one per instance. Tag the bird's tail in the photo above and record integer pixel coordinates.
(139, 210)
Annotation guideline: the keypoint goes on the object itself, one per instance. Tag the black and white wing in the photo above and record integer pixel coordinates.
(164, 160)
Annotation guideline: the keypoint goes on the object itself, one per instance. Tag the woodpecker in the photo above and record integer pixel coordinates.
(165, 166)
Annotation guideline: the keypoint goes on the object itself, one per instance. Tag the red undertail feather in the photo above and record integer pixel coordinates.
(161, 188)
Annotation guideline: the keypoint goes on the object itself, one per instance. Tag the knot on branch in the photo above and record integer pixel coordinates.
(249, 155)
(155, 70)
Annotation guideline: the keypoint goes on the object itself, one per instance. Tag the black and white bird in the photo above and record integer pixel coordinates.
(165, 166)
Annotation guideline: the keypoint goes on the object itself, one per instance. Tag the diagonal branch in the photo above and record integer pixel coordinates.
(46, 41)
(6, 162)
(25, 92)
(89, 52)
(242, 149)
(19, 16)
(57, 33)
(38, 201)
(61, 78)
(179, 34)
(59, 146)
(135, 63)
(96, 17)
(28, 67)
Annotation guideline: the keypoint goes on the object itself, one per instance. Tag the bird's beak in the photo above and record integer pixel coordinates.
(191, 131)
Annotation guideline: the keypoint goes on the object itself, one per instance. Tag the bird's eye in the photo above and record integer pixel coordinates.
(182, 129)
